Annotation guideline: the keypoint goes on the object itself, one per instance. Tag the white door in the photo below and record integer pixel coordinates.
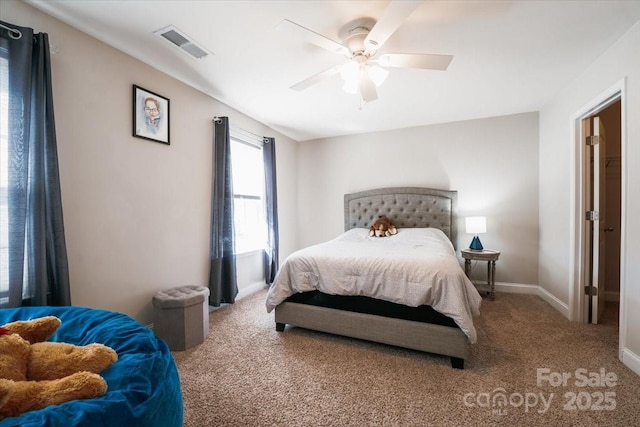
(596, 223)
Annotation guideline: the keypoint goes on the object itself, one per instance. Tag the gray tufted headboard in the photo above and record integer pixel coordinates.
(407, 207)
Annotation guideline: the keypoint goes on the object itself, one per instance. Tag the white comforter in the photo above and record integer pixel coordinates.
(417, 266)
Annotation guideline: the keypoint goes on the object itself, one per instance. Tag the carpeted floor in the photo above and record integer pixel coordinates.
(247, 374)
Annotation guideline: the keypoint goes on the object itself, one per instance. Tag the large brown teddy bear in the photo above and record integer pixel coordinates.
(382, 227)
(35, 374)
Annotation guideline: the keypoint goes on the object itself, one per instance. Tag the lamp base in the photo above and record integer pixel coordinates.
(475, 244)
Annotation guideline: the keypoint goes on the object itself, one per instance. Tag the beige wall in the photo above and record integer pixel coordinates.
(492, 163)
(621, 61)
(136, 212)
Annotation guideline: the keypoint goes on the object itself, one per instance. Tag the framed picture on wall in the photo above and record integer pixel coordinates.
(150, 115)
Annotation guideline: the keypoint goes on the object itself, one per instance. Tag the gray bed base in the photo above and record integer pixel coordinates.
(407, 207)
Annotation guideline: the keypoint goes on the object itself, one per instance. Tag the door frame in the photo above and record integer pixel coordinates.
(578, 309)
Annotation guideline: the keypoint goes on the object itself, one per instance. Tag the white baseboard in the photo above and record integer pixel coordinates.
(243, 292)
(517, 288)
(631, 360)
(520, 288)
(250, 289)
(554, 301)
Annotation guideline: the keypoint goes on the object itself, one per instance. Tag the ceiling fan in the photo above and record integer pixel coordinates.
(364, 72)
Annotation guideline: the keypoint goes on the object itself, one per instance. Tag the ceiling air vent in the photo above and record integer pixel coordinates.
(182, 42)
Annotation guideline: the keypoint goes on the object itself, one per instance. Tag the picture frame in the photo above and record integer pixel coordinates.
(151, 115)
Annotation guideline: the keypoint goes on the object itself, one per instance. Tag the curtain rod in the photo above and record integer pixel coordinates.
(17, 35)
(13, 33)
(252, 137)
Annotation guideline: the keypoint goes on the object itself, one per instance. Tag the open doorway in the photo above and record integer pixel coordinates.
(598, 290)
(603, 307)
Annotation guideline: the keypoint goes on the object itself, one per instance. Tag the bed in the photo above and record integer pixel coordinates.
(143, 385)
(403, 303)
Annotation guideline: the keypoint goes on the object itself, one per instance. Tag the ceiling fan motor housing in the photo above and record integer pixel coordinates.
(355, 42)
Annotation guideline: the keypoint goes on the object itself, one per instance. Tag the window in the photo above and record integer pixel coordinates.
(247, 171)
(4, 175)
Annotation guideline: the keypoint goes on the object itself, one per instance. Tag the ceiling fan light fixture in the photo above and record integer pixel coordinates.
(377, 74)
(353, 73)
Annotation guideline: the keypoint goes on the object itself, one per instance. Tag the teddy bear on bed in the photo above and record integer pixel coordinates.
(35, 373)
(382, 227)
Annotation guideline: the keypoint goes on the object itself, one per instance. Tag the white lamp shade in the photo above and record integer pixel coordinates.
(351, 73)
(476, 224)
(377, 74)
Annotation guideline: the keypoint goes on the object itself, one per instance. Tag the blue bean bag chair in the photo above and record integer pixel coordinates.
(143, 385)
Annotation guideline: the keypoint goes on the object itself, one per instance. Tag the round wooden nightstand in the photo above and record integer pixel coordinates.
(491, 257)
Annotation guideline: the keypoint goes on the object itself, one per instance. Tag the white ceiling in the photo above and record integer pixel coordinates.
(509, 56)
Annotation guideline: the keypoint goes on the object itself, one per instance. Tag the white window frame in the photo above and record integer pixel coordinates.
(246, 246)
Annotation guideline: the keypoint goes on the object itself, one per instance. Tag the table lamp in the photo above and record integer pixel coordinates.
(476, 225)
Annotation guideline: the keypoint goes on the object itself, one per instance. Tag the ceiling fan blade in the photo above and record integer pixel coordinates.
(312, 37)
(367, 88)
(408, 60)
(317, 78)
(395, 14)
